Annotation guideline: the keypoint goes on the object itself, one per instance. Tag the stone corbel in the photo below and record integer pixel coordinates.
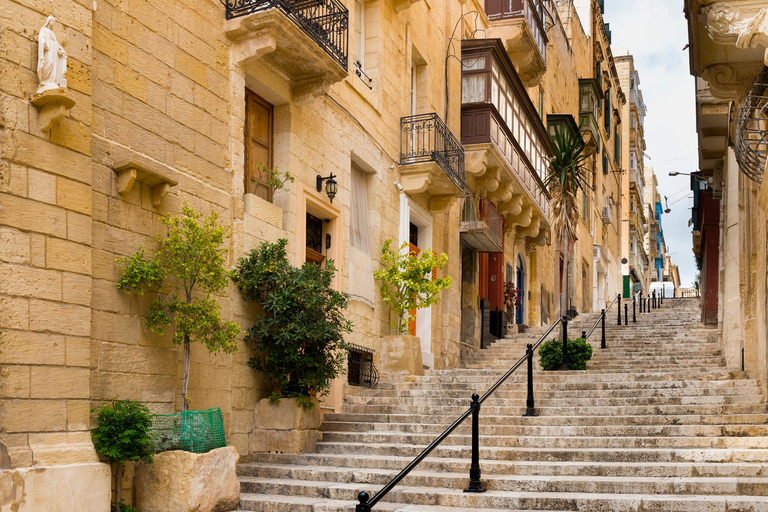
(730, 81)
(52, 105)
(441, 204)
(415, 183)
(742, 24)
(512, 207)
(501, 194)
(253, 47)
(130, 170)
(489, 182)
(401, 5)
(541, 239)
(522, 220)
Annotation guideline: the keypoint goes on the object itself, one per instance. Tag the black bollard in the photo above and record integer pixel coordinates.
(565, 343)
(626, 308)
(530, 406)
(474, 468)
(619, 308)
(602, 329)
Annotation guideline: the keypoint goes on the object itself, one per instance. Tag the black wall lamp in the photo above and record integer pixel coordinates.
(331, 187)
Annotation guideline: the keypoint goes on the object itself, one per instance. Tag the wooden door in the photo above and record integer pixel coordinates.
(259, 135)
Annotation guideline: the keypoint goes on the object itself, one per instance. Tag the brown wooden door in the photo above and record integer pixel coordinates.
(259, 134)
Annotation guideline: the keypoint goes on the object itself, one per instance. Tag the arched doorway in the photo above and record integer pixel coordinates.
(520, 281)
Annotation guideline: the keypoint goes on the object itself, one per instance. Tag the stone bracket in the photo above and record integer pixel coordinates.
(159, 177)
(416, 182)
(401, 5)
(441, 204)
(52, 105)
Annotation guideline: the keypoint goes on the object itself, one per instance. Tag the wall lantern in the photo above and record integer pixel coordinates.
(331, 187)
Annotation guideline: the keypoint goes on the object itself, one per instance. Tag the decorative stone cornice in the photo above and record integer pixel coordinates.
(743, 24)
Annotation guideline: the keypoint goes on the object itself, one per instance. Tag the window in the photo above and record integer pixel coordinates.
(607, 113)
(361, 285)
(314, 237)
(359, 33)
(617, 145)
(259, 134)
(605, 162)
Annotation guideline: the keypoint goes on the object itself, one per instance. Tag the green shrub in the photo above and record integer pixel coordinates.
(123, 436)
(299, 337)
(551, 354)
(123, 508)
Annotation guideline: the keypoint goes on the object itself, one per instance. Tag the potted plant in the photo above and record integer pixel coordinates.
(408, 284)
(513, 299)
(298, 341)
(184, 273)
(551, 354)
(123, 436)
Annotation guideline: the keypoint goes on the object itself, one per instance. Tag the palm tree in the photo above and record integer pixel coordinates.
(564, 178)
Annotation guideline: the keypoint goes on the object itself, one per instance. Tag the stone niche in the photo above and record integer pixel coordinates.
(286, 427)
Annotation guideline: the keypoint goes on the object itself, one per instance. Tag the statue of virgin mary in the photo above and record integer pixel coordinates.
(51, 59)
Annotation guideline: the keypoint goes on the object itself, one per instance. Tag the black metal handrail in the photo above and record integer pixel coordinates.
(426, 138)
(367, 502)
(325, 21)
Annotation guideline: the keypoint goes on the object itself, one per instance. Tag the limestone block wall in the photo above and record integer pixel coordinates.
(45, 245)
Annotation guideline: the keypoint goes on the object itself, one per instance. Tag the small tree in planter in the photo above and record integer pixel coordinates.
(123, 436)
(190, 263)
(299, 337)
(407, 283)
(551, 354)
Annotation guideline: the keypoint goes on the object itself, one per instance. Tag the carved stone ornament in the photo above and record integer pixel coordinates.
(730, 81)
(742, 24)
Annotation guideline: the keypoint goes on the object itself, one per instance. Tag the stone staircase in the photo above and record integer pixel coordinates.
(656, 423)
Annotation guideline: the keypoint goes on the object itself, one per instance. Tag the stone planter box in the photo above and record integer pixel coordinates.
(179, 481)
(401, 355)
(285, 427)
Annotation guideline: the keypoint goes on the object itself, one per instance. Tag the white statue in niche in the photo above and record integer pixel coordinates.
(51, 59)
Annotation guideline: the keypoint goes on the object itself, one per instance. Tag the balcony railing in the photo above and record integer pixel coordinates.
(481, 225)
(534, 12)
(426, 138)
(325, 21)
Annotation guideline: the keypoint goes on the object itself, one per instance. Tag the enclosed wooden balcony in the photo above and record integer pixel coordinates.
(305, 40)
(507, 145)
(590, 94)
(482, 226)
(521, 24)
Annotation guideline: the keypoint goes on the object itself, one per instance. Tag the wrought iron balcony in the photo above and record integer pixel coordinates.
(426, 138)
(482, 226)
(527, 39)
(325, 21)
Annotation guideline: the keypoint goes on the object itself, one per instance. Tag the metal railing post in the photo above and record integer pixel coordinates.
(530, 406)
(619, 308)
(626, 308)
(602, 329)
(661, 298)
(363, 506)
(634, 311)
(642, 306)
(654, 299)
(565, 343)
(474, 468)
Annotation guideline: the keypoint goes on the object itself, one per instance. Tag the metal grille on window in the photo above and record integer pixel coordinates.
(314, 233)
(360, 368)
(752, 130)
(361, 284)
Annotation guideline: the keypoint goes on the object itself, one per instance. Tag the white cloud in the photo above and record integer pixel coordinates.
(655, 32)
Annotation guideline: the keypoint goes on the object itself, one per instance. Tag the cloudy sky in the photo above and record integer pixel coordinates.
(655, 32)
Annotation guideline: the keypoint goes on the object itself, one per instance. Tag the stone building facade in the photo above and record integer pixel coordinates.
(728, 42)
(170, 103)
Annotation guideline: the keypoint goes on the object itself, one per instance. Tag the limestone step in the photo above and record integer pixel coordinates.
(515, 500)
(499, 467)
(558, 454)
(550, 441)
(611, 419)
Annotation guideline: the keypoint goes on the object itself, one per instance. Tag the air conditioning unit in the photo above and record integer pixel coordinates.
(607, 215)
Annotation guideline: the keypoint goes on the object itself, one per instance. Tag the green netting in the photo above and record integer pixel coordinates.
(191, 431)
